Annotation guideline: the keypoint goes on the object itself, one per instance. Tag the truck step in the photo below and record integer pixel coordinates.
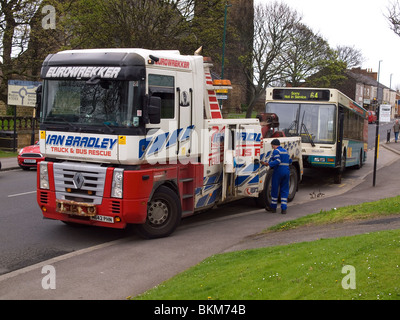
(187, 213)
(186, 180)
(187, 196)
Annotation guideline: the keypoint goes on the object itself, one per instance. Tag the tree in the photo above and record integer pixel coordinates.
(350, 55)
(331, 74)
(273, 23)
(15, 16)
(150, 24)
(393, 16)
(305, 55)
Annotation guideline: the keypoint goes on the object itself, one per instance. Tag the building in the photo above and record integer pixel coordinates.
(239, 41)
(362, 86)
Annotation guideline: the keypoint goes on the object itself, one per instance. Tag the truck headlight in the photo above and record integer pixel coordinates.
(44, 175)
(117, 183)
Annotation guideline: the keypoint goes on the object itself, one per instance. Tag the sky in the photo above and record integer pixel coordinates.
(358, 23)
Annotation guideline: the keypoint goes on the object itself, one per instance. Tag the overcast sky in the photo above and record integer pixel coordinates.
(358, 23)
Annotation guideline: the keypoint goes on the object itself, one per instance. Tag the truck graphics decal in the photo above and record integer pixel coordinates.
(210, 192)
(156, 143)
(80, 145)
(83, 72)
(173, 63)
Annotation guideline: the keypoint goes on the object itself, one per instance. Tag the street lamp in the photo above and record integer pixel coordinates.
(223, 39)
(377, 128)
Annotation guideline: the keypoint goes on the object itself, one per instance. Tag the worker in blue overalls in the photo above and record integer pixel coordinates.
(279, 162)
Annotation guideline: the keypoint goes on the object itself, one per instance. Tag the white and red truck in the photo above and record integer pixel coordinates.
(135, 136)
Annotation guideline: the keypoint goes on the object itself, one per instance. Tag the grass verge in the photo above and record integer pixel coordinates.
(7, 154)
(308, 270)
(367, 210)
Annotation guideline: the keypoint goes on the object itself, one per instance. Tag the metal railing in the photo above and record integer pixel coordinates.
(22, 123)
(11, 126)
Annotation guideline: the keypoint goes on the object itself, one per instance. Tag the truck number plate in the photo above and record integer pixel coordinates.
(29, 161)
(103, 219)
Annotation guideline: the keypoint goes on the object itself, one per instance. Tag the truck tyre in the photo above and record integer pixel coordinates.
(264, 197)
(293, 183)
(163, 214)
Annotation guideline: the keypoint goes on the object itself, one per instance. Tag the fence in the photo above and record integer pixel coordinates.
(23, 123)
(23, 132)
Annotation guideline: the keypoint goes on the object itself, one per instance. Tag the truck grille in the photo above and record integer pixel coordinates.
(85, 182)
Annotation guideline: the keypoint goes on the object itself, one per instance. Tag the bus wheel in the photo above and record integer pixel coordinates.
(163, 215)
(339, 171)
(360, 164)
(293, 181)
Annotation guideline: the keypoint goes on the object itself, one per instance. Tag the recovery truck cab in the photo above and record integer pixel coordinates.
(135, 136)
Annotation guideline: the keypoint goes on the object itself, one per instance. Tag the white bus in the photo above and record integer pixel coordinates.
(333, 128)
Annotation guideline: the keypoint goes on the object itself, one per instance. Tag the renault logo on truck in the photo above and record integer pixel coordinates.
(78, 180)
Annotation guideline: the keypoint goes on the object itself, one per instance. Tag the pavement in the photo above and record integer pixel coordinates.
(10, 163)
(125, 267)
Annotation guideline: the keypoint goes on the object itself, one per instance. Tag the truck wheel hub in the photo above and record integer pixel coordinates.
(157, 212)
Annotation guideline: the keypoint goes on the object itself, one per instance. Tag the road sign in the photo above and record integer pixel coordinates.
(384, 112)
(22, 93)
(222, 96)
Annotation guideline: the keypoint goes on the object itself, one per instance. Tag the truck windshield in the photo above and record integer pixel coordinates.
(316, 122)
(77, 103)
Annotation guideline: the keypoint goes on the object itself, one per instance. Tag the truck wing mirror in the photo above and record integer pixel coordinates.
(154, 110)
(38, 100)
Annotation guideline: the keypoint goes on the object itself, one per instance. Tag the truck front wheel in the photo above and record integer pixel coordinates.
(163, 214)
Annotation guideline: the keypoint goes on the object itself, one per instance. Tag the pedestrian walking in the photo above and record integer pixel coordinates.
(279, 162)
(396, 130)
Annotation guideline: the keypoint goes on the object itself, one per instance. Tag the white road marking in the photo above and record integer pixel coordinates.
(20, 194)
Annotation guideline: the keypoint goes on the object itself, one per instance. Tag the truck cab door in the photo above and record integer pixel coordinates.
(184, 91)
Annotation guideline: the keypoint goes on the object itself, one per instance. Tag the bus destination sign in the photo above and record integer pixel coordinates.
(301, 94)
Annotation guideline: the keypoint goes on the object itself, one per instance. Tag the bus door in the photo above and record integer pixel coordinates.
(339, 143)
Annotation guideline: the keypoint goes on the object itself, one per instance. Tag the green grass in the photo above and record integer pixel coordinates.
(241, 115)
(7, 154)
(367, 210)
(308, 270)
(298, 271)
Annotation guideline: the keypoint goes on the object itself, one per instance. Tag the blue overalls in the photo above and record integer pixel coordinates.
(280, 161)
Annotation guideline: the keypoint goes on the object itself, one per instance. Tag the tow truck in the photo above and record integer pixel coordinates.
(136, 136)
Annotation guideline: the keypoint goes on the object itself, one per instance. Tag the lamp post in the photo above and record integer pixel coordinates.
(223, 39)
(377, 128)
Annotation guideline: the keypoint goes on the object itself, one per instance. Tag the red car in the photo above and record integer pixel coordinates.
(372, 117)
(30, 156)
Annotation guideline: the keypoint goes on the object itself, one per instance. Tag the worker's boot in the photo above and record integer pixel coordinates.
(283, 211)
(269, 209)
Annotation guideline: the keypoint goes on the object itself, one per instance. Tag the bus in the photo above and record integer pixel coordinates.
(333, 128)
